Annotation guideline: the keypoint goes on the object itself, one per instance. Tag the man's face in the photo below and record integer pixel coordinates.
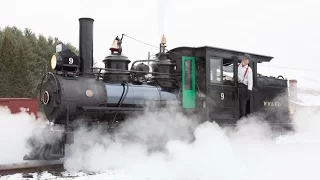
(244, 62)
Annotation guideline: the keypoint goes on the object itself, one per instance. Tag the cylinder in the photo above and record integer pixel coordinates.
(86, 46)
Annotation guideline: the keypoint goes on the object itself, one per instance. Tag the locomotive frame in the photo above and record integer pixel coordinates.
(191, 76)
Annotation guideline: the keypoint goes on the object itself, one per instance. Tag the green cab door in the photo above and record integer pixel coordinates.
(188, 82)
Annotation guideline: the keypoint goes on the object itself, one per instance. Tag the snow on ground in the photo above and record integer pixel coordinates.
(112, 175)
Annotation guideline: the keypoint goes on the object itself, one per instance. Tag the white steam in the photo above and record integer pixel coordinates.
(15, 129)
(248, 152)
(161, 145)
(162, 14)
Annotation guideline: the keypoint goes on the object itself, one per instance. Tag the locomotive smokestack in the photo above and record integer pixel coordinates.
(86, 45)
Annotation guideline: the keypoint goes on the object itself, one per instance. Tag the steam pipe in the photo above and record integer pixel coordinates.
(86, 46)
(123, 70)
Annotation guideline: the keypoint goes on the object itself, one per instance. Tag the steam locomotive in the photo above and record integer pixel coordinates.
(192, 77)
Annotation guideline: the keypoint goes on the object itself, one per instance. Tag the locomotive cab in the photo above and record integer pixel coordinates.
(219, 89)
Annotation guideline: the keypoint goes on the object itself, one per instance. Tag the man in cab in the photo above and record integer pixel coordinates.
(245, 82)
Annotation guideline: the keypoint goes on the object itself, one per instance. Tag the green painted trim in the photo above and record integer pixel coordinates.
(189, 95)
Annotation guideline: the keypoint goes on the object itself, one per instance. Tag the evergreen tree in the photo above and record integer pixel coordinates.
(24, 60)
(7, 57)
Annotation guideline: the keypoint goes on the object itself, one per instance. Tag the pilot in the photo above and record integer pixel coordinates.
(245, 82)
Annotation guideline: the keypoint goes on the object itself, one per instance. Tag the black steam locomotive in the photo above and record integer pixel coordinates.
(192, 77)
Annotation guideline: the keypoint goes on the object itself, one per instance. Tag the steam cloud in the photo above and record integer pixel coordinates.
(14, 131)
(168, 145)
(162, 14)
(158, 145)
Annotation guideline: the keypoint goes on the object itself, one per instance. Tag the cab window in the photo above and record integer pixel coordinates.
(188, 73)
(221, 71)
(215, 70)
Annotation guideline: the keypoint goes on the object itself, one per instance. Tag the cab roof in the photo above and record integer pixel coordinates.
(220, 52)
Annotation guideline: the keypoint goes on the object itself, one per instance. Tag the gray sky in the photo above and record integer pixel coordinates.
(287, 30)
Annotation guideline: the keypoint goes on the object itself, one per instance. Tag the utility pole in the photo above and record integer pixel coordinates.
(148, 58)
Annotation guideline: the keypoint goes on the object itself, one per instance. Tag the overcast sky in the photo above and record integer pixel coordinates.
(287, 30)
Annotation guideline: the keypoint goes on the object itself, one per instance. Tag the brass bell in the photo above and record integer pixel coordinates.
(114, 46)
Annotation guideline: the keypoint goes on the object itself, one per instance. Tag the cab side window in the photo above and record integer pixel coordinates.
(228, 74)
(221, 71)
(215, 70)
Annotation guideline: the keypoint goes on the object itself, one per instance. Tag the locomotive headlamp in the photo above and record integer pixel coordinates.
(53, 61)
(56, 61)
